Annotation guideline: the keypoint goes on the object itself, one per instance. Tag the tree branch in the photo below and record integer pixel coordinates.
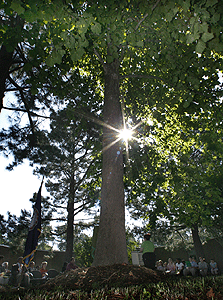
(146, 15)
(141, 76)
(155, 5)
(100, 58)
(24, 110)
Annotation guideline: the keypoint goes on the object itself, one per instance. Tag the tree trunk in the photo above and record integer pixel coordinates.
(197, 242)
(70, 222)
(111, 242)
(5, 63)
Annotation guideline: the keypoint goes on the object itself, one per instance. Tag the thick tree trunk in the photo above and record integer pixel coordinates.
(70, 222)
(111, 242)
(5, 63)
(197, 242)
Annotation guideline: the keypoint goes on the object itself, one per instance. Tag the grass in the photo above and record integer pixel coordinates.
(172, 289)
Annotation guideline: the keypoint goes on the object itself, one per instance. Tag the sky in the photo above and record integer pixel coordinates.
(17, 186)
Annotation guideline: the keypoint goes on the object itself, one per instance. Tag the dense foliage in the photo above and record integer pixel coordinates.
(156, 66)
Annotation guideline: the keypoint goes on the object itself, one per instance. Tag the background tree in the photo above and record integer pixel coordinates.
(14, 229)
(187, 191)
(71, 164)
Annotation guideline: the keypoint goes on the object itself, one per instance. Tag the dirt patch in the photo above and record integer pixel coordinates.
(99, 277)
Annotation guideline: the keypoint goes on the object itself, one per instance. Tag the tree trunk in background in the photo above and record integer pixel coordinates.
(5, 63)
(111, 242)
(197, 242)
(70, 222)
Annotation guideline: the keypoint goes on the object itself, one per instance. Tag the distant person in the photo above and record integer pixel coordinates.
(71, 265)
(203, 267)
(191, 268)
(170, 268)
(19, 274)
(13, 279)
(31, 266)
(20, 264)
(160, 266)
(43, 270)
(24, 277)
(16, 272)
(5, 267)
(179, 266)
(5, 272)
(148, 256)
(1, 262)
(214, 267)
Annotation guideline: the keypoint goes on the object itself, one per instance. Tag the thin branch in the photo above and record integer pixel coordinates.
(155, 5)
(81, 207)
(24, 110)
(55, 219)
(141, 76)
(100, 58)
(15, 69)
(15, 89)
(146, 15)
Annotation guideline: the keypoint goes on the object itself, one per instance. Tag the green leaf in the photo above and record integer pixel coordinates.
(82, 26)
(96, 28)
(50, 61)
(140, 44)
(204, 27)
(84, 43)
(200, 46)
(17, 7)
(192, 37)
(207, 36)
(215, 18)
(186, 104)
(186, 5)
(34, 90)
(211, 3)
(169, 16)
(29, 16)
(192, 20)
(109, 59)
(76, 54)
(113, 27)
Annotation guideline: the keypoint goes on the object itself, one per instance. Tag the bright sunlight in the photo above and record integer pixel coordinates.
(125, 134)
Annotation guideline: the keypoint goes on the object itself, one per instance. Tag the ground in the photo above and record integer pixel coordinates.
(98, 277)
(119, 282)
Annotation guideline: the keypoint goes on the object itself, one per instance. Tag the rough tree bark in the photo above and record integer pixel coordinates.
(111, 241)
(197, 242)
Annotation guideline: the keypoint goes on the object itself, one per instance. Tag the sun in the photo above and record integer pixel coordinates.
(126, 134)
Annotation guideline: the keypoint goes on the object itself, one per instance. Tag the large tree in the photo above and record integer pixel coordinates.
(143, 54)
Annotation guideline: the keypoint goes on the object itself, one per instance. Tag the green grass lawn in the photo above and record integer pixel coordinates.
(173, 288)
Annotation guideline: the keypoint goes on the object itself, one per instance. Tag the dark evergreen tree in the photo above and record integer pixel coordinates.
(72, 167)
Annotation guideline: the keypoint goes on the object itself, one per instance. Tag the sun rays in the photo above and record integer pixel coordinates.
(126, 135)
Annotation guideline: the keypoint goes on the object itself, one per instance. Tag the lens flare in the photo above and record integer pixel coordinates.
(126, 134)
